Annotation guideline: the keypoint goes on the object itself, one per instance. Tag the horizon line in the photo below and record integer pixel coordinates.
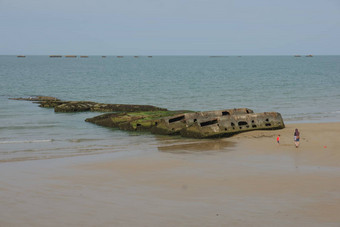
(146, 55)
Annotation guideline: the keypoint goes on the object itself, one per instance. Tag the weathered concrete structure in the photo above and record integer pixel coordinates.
(37, 98)
(207, 124)
(229, 125)
(81, 106)
(174, 124)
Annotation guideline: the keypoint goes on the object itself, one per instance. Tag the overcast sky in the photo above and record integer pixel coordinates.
(171, 27)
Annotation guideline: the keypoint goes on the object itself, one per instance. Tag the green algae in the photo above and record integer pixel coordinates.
(133, 121)
(142, 120)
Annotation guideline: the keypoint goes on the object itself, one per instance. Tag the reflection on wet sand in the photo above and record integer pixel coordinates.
(206, 146)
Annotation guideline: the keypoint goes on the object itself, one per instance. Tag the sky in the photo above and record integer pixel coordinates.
(171, 27)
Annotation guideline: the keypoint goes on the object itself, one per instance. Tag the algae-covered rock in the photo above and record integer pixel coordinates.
(132, 121)
(49, 104)
(76, 106)
(36, 98)
(81, 106)
(101, 107)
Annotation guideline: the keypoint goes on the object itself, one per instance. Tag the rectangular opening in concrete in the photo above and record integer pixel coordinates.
(208, 123)
(172, 120)
(240, 123)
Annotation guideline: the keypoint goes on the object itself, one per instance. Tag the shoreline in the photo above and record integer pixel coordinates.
(315, 139)
(245, 180)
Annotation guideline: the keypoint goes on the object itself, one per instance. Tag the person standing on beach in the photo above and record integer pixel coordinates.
(278, 139)
(297, 138)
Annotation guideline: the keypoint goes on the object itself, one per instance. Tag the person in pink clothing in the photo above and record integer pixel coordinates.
(297, 138)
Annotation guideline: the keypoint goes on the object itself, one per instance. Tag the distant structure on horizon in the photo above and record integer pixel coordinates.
(21, 56)
(120, 56)
(84, 56)
(70, 56)
(55, 56)
(309, 55)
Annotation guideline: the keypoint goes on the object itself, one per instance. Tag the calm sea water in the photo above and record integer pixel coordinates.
(305, 89)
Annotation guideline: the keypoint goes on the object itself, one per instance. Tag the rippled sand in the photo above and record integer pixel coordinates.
(247, 180)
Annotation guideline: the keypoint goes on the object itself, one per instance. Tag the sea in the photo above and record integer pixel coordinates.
(303, 89)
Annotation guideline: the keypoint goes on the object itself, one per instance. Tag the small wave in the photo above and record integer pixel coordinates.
(26, 141)
(82, 140)
(27, 127)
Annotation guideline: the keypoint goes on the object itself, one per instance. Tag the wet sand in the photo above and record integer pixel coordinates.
(246, 180)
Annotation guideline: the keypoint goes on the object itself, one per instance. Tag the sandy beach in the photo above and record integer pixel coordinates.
(246, 180)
